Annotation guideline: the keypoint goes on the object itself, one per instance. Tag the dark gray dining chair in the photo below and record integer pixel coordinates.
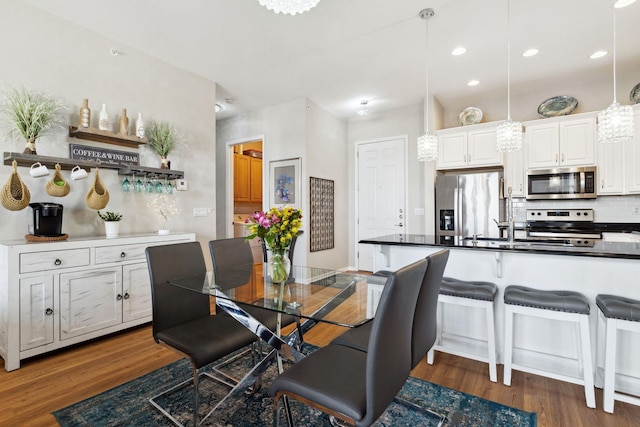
(352, 385)
(232, 267)
(182, 319)
(424, 321)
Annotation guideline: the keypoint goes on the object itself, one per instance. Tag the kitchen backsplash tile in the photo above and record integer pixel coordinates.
(606, 208)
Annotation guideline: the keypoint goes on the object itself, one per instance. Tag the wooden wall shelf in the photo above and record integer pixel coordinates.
(97, 135)
(50, 162)
(150, 172)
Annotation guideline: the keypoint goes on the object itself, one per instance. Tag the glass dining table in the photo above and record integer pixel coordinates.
(312, 295)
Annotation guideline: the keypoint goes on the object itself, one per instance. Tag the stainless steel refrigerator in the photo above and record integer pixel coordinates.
(468, 203)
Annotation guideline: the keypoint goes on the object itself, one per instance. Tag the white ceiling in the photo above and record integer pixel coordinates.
(343, 51)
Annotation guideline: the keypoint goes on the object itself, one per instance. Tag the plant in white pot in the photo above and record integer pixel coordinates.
(30, 115)
(111, 223)
(162, 139)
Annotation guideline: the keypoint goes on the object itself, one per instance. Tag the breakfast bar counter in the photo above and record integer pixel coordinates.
(607, 267)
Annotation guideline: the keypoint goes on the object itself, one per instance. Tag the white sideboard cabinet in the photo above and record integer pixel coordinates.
(56, 294)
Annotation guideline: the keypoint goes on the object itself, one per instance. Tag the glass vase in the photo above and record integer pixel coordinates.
(279, 267)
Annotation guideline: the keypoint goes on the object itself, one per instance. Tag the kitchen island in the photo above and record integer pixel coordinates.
(607, 267)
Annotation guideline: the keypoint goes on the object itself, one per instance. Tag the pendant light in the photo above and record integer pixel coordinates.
(427, 143)
(290, 7)
(615, 124)
(509, 133)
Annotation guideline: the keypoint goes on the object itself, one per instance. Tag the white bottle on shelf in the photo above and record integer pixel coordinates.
(140, 126)
(104, 123)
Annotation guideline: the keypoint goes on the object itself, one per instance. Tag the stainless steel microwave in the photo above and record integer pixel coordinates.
(562, 183)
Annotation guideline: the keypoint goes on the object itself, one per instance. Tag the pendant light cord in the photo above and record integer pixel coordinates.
(614, 55)
(508, 62)
(426, 111)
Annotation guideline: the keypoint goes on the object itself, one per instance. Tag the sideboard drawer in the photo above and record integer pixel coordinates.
(42, 261)
(107, 254)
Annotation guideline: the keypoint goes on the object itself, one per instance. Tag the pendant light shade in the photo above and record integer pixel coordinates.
(290, 7)
(427, 143)
(509, 133)
(615, 124)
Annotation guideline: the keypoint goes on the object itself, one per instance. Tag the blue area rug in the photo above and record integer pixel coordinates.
(127, 404)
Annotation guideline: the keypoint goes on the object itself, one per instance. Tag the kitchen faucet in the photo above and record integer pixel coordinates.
(509, 225)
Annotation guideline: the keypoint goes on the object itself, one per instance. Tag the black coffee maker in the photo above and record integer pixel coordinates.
(45, 219)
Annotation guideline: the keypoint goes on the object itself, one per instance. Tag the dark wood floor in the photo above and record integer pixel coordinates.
(45, 384)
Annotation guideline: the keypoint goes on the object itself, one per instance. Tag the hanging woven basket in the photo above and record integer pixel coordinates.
(15, 195)
(57, 186)
(98, 195)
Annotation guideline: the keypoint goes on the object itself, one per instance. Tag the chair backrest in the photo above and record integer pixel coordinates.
(172, 305)
(424, 320)
(389, 351)
(232, 260)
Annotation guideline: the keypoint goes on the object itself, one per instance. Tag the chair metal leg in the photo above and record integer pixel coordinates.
(405, 402)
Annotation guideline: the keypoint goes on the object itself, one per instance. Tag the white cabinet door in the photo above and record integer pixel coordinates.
(452, 150)
(90, 301)
(542, 145)
(632, 157)
(481, 148)
(136, 292)
(577, 142)
(36, 311)
(514, 172)
(611, 169)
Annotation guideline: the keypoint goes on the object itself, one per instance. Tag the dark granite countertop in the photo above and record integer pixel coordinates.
(626, 250)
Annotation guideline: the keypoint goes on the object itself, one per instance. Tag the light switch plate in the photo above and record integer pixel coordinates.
(200, 211)
(181, 184)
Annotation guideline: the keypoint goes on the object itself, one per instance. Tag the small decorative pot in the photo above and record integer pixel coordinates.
(165, 163)
(111, 228)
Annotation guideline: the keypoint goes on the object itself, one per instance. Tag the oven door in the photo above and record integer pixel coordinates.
(565, 183)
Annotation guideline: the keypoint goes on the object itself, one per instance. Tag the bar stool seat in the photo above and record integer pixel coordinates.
(619, 313)
(470, 294)
(557, 305)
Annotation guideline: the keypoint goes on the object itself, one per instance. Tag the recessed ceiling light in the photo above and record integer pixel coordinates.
(623, 3)
(530, 52)
(363, 110)
(473, 83)
(458, 51)
(598, 54)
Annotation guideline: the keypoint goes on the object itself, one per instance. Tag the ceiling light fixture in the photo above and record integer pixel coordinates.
(615, 124)
(623, 3)
(530, 52)
(427, 143)
(598, 54)
(509, 133)
(473, 82)
(290, 7)
(363, 110)
(458, 51)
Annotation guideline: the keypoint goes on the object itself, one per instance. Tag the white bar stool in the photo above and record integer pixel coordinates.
(558, 305)
(469, 294)
(619, 313)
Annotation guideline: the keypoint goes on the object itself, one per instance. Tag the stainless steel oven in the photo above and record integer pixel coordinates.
(567, 227)
(562, 183)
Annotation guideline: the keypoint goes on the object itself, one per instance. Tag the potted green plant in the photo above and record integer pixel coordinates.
(111, 223)
(162, 139)
(30, 115)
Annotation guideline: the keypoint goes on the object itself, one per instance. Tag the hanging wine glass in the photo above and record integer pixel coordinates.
(168, 186)
(149, 185)
(126, 185)
(159, 186)
(139, 185)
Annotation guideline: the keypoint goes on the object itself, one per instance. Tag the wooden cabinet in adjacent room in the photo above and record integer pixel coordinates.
(247, 179)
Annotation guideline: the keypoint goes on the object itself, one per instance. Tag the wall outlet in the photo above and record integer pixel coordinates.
(636, 210)
(181, 184)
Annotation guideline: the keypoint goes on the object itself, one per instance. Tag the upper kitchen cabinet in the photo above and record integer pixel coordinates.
(473, 147)
(514, 172)
(631, 157)
(562, 141)
(247, 179)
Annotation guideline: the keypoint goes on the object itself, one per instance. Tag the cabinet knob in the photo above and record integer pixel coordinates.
(602, 185)
(122, 255)
(48, 312)
(126, 295)
(119, 297)
(58, 261)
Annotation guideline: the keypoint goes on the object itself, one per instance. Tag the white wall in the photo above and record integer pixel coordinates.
(46, 53)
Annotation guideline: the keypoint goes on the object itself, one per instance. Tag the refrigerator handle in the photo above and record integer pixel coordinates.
(457, 212)
(501, 189)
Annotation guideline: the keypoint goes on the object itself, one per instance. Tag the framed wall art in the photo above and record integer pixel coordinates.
(284, 183)
(321, 214)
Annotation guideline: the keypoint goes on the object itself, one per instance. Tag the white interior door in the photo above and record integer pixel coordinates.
(381, 199)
